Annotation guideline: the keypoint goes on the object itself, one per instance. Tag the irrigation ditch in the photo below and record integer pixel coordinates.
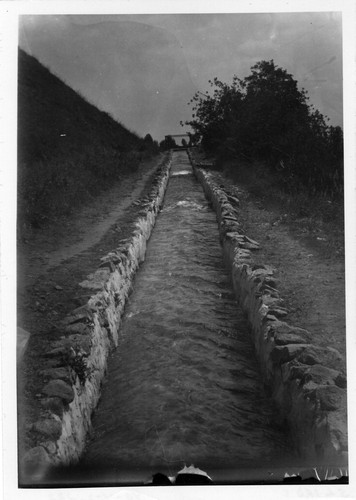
(307, 382)
(78, 361)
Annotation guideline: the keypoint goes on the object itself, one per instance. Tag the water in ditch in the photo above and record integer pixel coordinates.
(183, 385)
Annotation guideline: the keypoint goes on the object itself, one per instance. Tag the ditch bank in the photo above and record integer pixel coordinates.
(77, 362)
(307, 381)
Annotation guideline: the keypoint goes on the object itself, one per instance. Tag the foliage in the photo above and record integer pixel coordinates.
(167, 143)
(265, 117)
(149, 145)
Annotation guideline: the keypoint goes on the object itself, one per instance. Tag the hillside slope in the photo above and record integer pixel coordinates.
(68, 150)
(136, 71)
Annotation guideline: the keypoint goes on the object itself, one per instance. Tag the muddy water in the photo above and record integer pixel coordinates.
(183, 385)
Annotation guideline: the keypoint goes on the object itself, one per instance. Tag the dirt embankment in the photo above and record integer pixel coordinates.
(306, 252)
(311, 279)
(311, 282)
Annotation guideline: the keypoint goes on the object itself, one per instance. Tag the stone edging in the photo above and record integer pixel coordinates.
(308, 382)
(78, 362)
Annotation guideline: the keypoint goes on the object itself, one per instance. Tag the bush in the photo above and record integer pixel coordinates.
(265, 117)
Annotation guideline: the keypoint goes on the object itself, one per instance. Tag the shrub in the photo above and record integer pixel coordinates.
(265, 117)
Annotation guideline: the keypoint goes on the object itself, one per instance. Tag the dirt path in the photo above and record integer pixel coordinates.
(55, 257)
(50, 267)
(54, 245)
(312, 287)
(311, 277)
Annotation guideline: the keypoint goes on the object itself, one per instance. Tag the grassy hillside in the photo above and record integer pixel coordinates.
(68, 150)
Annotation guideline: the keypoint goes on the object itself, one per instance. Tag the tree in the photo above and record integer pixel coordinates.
(148, 140)
(266, 117)
(149, 145)
(167, 143)
(275, 112)
(213, 115)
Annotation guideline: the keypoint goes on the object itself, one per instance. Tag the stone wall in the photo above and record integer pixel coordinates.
(308, 382)
(78, 361)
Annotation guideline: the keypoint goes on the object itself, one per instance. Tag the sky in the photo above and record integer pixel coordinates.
(144, 69)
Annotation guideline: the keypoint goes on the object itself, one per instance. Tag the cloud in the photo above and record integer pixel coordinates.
(119, 67)
(121, 62)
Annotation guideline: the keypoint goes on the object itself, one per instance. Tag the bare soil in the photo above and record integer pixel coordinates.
(311, 282)
(309, 263)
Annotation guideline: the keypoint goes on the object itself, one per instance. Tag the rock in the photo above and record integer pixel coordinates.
(55, 362)
(252, 242)
(108, 264)
(269, 300)
(320, 375)
(282, 354)
(263, 289)
(50, 446)
(80, 342)
(49, 427)
(341, 381)
(330, 397)
(249, 246)
(271, 318)
(279, 312)
(233, 200)
(60, 389)
(288, 338)
(56, 353)
(234, 236)
(262, 269)
(229, 218)
(36, 456)
(78, 328)
(61, 373)
(266, 289)
(241, 255)
(293, 370)
(54, 404)
(57, 287)
(282, 330)
(97, 280)
(80, 314)
(263, 312)
(270, 281)
(93, 285)
(321, 355)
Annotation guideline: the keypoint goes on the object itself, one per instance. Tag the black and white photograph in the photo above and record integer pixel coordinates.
(182, 188)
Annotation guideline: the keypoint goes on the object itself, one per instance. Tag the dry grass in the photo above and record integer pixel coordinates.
(309, 214)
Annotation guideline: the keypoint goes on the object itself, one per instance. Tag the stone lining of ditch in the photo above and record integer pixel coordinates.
(77, 362)
(307, 382)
